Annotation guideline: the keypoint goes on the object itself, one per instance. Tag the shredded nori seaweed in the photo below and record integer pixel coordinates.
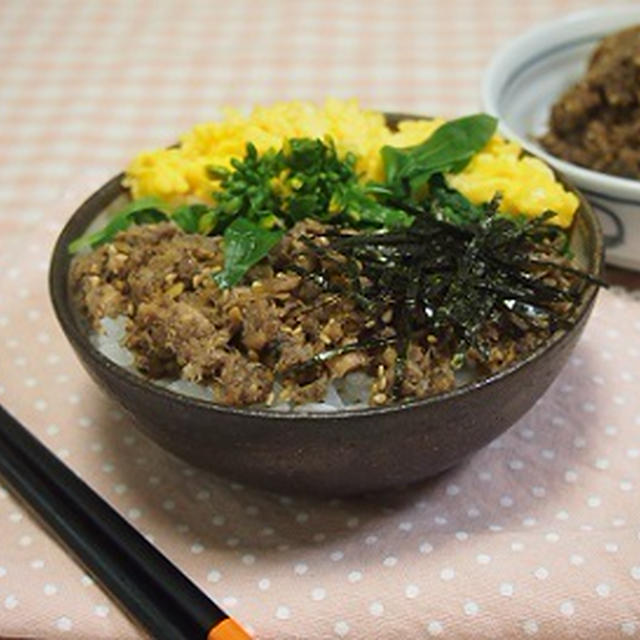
(456, 269)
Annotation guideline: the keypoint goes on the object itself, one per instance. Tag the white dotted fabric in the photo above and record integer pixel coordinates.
(536, 535)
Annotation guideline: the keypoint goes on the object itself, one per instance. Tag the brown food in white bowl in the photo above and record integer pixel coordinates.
(596, 123)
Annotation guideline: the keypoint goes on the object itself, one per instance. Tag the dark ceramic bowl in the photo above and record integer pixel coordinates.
(345, 452)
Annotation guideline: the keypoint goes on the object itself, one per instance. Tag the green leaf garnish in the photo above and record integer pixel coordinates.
(448, 150)
(191, 218)
(245, 244)
(361, 208)
(142, 211)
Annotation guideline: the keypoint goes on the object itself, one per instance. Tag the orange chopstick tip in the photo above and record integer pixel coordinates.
(228, 629)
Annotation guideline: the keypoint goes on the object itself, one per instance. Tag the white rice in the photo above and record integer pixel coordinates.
(109, 341)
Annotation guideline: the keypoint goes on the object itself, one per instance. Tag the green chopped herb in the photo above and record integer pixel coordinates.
(264, 194)
(361, 209)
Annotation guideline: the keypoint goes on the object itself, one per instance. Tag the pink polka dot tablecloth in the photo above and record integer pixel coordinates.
(536, 535)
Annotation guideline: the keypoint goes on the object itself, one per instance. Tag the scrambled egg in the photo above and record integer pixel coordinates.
(527, 184)
(180, 174)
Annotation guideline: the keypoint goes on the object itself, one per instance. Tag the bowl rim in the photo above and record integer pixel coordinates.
(61, 300)
(534, 41)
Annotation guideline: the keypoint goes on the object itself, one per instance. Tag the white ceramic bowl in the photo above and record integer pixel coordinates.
(528, 75)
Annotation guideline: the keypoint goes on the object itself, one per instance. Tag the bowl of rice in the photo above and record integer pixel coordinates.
(328, 299)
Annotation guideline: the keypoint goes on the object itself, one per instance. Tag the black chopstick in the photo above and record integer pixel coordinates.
(152, 589)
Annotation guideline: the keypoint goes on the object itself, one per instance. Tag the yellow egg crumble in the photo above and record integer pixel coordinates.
(527, 185)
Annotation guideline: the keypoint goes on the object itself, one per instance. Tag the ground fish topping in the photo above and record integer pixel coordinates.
(277, 337)
(237, 341)
(596, 123)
